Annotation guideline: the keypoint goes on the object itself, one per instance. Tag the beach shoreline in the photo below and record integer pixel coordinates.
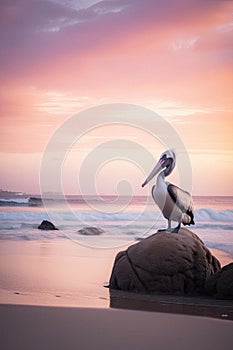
(56, 288)
(63, 273)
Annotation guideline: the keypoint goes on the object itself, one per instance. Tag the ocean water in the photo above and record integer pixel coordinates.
(123, 220)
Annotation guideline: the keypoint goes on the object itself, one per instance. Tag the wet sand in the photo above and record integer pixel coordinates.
(52, 296)
(60, 273)
(56, 272)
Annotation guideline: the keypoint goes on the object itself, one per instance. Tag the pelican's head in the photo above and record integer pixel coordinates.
(167, 162)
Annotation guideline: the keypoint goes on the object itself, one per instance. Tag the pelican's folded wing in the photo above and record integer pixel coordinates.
(182, 198)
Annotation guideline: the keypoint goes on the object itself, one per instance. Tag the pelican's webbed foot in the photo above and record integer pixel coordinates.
(172, 230)
(176, 229)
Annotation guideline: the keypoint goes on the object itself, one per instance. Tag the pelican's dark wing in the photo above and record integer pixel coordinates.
(183, 199)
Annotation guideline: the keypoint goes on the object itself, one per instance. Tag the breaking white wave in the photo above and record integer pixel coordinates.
(208, 214)
(221, 218)
(5, 201)
(20, 217)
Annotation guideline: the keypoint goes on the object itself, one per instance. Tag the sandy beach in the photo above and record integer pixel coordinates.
(33, 327)
(52, 272)
(59, 273)
(52, 296)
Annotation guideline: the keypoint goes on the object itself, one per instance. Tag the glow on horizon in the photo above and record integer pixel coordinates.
(72, 55)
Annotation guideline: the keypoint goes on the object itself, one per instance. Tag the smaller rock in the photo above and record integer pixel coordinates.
(220, 285)
(90, 231)
(47, 225)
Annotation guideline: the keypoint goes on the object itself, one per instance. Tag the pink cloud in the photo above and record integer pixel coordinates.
(37, 34)
(127, 50)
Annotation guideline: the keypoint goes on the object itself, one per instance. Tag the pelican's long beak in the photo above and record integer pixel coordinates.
(158, 167)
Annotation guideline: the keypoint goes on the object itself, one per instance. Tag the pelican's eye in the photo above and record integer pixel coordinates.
(164, 157)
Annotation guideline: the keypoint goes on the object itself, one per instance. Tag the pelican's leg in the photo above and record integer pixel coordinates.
(169, 227)
(176, 229)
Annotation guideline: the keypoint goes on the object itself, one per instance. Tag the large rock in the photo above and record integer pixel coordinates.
(220, 285)
(47, 225)
(165, 262)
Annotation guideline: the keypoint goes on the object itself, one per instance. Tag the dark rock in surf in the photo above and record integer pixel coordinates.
(90, 231)
(47, 225)
(35, 202)
(165, 263)
(220, 285)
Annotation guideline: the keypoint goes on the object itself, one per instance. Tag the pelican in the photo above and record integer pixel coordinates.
(175, 203)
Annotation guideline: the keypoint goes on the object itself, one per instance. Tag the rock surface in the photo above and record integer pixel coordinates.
(47, 225)
(165, 262)
(220, 285)
(90, 231)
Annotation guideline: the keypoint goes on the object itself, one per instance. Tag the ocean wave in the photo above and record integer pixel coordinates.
(208, 214)
(14, 201)
(24, 216)
(16, 226)
(214, 227)
(18, 202)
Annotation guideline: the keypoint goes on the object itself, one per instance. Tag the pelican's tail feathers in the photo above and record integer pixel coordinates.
(188, 218)
(190, 213)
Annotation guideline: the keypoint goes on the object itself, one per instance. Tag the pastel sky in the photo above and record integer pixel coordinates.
(59, 57)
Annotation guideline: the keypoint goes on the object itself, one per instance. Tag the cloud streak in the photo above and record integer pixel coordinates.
(45, 32)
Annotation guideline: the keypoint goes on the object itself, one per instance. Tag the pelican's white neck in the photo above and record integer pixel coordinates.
(160, 177)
